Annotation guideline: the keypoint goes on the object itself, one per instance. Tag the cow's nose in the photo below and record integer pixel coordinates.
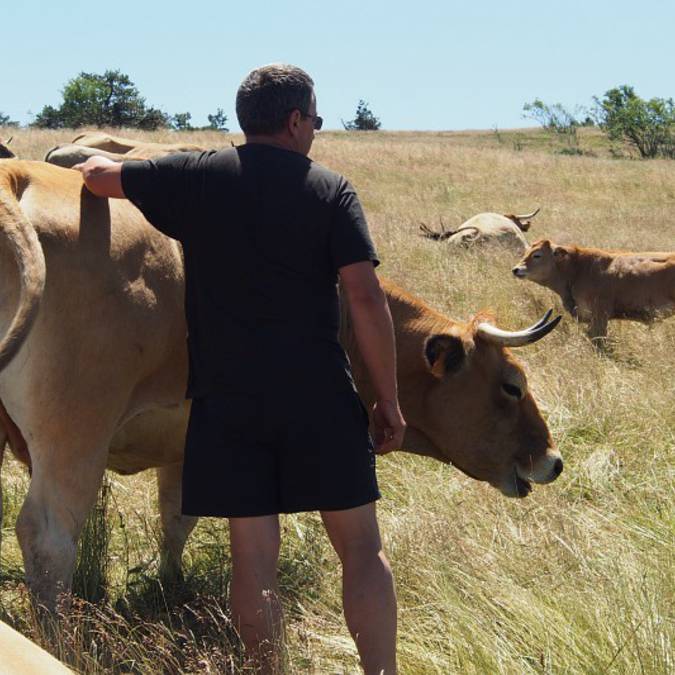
(515, 271)
(557, 467)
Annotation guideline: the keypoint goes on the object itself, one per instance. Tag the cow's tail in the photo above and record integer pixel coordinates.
(467, 228)
(20, 235)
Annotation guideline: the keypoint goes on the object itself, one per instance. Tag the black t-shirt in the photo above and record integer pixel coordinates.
(264, 232)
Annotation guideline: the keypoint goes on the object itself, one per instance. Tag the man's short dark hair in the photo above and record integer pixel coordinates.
(268, 95)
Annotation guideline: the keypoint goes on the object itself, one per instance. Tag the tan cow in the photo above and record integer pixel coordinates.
(487, 228)
(86, 346)
(93, 367)
(596, 285)
(21, 656)
(113, 147)
(69, 154)
(131, 147)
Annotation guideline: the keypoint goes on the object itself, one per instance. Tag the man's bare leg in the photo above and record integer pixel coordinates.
(254, 595)
(368, 594)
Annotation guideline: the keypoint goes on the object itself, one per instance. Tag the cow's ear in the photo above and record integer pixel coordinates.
(524, 225)
(559, 252)
(444, 353)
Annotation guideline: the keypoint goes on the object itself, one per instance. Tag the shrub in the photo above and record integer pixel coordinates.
(556, 119)
(649, 126)
(5, 121)
(218, 121)
(181, 121)
(364, 119)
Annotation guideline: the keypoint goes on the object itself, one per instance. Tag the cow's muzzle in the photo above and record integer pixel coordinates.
(519, 271)
(519, 483)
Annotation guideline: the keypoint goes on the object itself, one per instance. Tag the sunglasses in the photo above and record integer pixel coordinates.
(317, 121)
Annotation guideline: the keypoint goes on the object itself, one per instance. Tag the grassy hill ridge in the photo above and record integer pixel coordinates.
(578, 578)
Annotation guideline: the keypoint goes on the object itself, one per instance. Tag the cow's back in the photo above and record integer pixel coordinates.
(491, 228)
(132, 148)
(644, 284)
(111, 314)
(106, 142)
(622, 284)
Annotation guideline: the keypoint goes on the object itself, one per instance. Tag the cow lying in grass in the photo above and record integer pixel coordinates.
(487, 228)
(596, 285)
(93, 366)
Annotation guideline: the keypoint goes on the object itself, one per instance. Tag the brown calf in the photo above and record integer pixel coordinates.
(596, 285)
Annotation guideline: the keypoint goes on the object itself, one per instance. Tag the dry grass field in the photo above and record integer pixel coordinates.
(577, 578)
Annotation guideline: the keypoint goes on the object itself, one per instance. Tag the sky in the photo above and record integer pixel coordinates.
(424, 65)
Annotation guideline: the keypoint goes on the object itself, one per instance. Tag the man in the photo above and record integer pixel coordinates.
(276, 425)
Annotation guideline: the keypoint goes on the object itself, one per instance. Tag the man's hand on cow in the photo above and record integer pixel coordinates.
(388, 425)
(93, 165)
(102, 176)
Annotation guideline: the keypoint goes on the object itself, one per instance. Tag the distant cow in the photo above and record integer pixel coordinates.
(114, 148)
(506, 230)
(597, 285)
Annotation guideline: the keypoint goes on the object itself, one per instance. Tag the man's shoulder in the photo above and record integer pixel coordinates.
(320, 174)
(322, 170)
(223, 156)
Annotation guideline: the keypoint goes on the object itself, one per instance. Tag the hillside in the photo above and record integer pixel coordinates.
(577, 578)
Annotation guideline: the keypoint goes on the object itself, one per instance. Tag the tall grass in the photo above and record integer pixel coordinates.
(578, 578)
(90, 578)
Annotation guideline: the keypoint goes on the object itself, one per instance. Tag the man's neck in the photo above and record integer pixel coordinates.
(277, 140)
(283, 141)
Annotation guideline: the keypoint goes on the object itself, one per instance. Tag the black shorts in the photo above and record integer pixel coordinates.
(259, 454)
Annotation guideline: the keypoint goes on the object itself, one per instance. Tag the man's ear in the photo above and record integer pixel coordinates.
(444, 353)
(294, 119)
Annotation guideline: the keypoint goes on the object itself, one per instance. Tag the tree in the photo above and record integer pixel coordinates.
(152, 119)
(364, 120)
(110, 99)
(218, 121)
(48, 118)
(5, 121)
(556, 119)
(181, 121)
(649, 126)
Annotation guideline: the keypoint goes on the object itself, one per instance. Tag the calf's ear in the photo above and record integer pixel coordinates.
(559, 252)
(444, 353)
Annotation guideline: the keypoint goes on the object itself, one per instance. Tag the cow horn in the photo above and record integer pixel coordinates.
(529, 215)
(541, 321)
(519, 338)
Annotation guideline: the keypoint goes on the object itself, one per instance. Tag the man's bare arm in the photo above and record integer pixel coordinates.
(374, 334)
(102, 176)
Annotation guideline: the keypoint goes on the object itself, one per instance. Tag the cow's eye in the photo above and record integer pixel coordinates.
(536, 256)
(512, 390)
